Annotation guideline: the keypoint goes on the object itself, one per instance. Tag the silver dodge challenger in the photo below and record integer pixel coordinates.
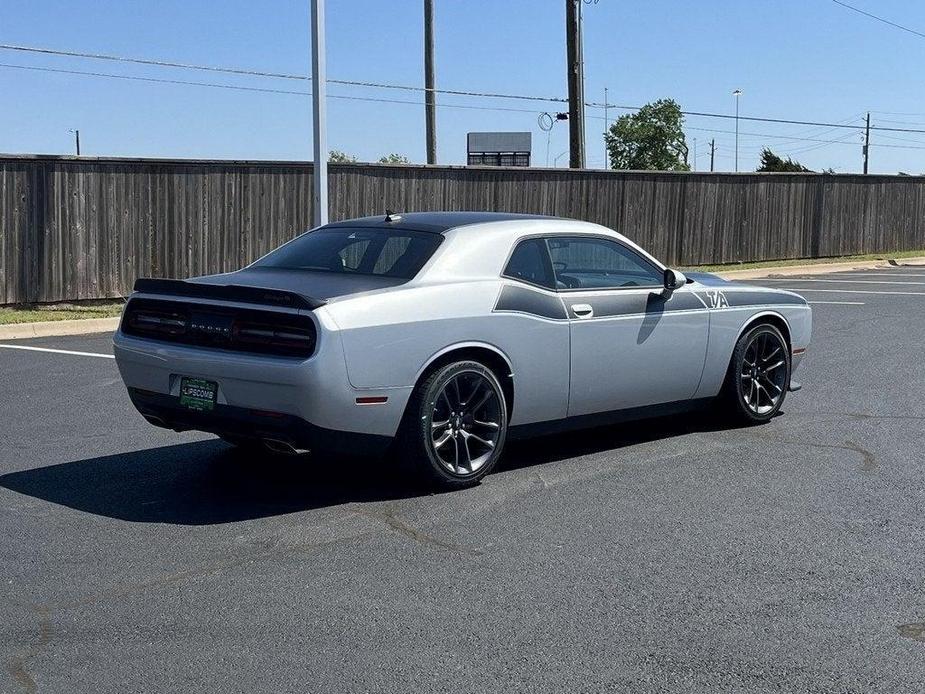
(440, 335)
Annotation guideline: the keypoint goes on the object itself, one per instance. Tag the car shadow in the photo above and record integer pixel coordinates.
(547, 449)
(206, 483)
(209, 482)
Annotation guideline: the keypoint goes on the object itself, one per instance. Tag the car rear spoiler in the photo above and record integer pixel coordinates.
(227, 292)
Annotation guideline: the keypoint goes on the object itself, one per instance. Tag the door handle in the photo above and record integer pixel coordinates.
(583, 310)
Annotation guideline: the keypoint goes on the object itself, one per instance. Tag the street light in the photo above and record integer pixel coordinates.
(737, 93)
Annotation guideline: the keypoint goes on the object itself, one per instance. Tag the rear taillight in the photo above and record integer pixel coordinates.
(158, 322)
(289, 338)
(221, 327)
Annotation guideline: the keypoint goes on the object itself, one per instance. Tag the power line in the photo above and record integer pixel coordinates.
(344, 97)
(768, 135)
(279, 75)
(266, 90)
(383, 85)
(144, 61)
(879, 19)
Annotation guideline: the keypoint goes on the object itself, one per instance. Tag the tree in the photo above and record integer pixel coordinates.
(773, 162)
(335, 156)
(394, 159)
(650, 139)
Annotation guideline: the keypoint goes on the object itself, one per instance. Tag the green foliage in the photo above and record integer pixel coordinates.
(772, 162)
(394, 159)
(335, 156)
(650, 139)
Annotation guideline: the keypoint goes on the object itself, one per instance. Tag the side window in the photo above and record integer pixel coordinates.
(594, 263)
(530, 262)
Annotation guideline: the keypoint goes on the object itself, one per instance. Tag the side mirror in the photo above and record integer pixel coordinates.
(674, 279)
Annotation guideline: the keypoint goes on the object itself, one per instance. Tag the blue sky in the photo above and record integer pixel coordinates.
(797, 59)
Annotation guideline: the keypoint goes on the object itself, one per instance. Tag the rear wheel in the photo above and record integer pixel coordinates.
(758, 376)
(455, 425)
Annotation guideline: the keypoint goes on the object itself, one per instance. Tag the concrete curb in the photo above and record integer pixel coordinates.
(56, 328)
(817, 269)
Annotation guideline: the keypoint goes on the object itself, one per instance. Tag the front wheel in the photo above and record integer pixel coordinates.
(455, 425)
(758, 376)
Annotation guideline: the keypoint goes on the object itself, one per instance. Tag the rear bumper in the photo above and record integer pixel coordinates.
(243, 423)
(315, 390)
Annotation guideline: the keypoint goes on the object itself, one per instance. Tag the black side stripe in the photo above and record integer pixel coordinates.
(620, 304)
(519, 299)
(526, 300)
(734, 298)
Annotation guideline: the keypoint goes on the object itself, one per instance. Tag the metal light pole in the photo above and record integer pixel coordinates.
(737, 93)
(319, 116)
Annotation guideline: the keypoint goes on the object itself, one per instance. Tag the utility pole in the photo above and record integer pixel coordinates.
(867, 144)
(606, 129)
(430, 97)
(712, 153)
(77, 140)
(576, 87)
(319, 116)
(695, 154)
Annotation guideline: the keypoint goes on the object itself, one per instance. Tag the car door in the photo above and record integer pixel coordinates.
(632, 344)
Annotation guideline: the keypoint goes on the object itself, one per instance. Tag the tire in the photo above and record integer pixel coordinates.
(455, 426)
(758, 375)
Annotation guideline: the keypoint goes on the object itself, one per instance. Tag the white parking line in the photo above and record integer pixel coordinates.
(878, 274)
(59, 351)
(841, 281)
(800, 290)
(840, 303)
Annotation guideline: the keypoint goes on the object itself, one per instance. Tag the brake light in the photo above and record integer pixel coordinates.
(288, 337)
(167, 323)
(221, 327)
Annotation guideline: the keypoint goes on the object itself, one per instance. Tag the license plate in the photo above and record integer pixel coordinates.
(198, 394)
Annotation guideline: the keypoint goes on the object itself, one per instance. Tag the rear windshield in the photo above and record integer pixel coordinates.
(357, 251)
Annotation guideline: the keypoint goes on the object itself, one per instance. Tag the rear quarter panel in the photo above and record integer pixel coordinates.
(390, 338)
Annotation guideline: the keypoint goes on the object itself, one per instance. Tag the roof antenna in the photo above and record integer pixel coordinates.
(391, 216)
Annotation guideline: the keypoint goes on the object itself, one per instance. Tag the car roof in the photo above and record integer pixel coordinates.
(435, 222)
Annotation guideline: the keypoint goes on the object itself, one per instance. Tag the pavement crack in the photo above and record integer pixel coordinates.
(868, 460)
(19, 665)
(390, 517)
(866, 415)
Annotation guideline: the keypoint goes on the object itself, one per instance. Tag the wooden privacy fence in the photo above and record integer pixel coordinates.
(86, 228)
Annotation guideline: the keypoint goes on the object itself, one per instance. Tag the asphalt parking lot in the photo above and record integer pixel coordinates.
(672, 556)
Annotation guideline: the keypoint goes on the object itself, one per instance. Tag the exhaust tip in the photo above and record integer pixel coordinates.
(283, 447)
(156, 421)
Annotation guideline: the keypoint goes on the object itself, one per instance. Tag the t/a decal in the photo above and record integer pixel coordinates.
(717, 298)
